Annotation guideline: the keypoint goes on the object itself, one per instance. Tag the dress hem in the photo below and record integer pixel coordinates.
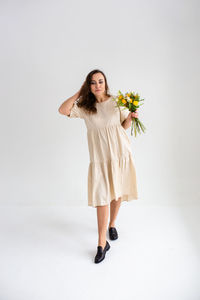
(123, 198)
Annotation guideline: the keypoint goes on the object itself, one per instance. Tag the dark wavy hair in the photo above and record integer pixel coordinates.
(87, 99)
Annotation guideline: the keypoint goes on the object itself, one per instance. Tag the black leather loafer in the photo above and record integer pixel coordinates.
(113, 235)
(101, 253)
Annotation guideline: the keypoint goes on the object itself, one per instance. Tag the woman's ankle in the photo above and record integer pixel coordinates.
(111, 224)
(102, 243)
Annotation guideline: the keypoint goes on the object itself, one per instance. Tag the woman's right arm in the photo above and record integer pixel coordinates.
(66, 106)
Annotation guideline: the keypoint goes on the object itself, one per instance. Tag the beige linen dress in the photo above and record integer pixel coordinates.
(111, 171)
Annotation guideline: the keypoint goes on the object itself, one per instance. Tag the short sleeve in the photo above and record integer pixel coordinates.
(76, 112)
(124, 112)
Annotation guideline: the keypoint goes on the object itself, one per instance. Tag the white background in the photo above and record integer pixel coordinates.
(47, 50)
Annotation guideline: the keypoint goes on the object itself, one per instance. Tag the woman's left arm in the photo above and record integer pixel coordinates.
(127, 123)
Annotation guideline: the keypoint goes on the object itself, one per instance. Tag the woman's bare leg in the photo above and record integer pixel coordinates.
(102, 220)
(114, 208)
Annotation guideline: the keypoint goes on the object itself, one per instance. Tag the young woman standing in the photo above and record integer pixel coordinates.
(111, 172)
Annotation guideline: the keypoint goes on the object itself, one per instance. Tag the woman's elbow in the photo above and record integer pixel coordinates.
(62, 112)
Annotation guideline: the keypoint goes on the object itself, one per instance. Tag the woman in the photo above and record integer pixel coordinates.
(111, 172)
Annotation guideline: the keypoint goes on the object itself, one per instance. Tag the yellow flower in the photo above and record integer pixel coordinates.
(135, 102)
(130, 101)
(120, 97)
(123, 101)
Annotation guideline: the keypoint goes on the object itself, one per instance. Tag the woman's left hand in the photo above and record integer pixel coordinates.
(134, 114)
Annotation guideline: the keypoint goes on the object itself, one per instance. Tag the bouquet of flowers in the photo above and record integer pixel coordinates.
(131, 101)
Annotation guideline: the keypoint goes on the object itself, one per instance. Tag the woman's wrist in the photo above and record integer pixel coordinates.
(126, 123)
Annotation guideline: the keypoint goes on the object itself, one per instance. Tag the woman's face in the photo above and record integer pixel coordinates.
(97, 84)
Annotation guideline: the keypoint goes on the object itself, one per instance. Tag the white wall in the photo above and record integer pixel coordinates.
(48, 48)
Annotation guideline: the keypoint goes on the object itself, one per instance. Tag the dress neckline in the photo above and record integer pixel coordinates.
(104, 101)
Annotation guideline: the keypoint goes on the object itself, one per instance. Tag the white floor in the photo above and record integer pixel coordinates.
(48, 252)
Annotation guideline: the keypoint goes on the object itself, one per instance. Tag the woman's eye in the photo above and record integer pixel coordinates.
(95, 82)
